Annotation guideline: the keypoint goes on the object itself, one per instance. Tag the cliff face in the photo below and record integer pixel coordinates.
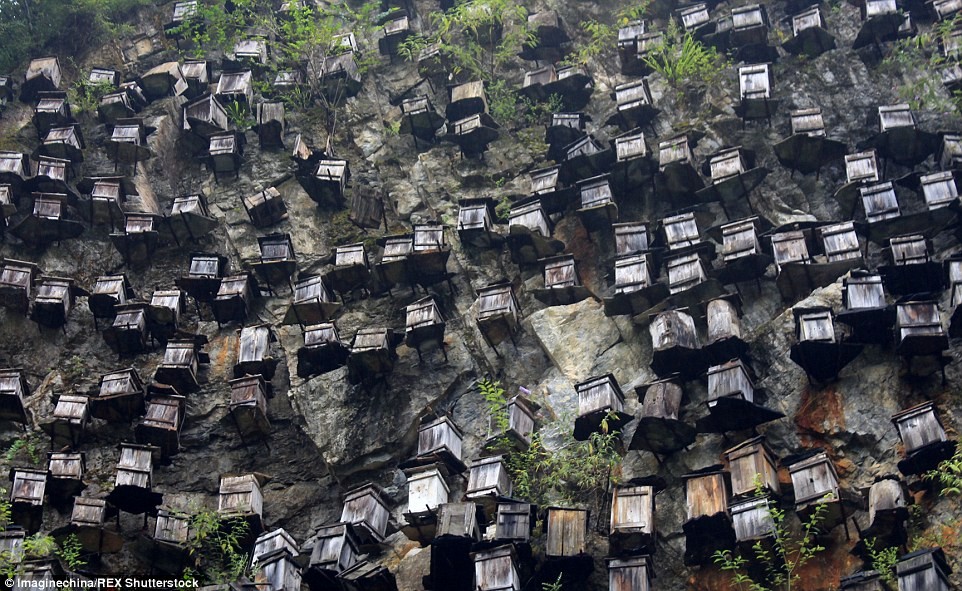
(328, 435)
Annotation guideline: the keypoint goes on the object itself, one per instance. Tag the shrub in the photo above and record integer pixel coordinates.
(683, 60)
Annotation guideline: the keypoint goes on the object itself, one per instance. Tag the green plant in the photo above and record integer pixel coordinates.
(239, 115)
(495, 400)
(39, 545)
(790, 550)
(393, 128)
(480, 36)
(919, 66)
(601, 37)
(412, 46)
(948, 474)
(215, 549)
(502, 102)
(85, 97)
(883, 560)
(297, 99)
(70, 553)
(25, 449)
(683, 60)
(553, 586)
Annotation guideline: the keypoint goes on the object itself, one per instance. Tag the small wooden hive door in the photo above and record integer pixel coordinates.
(496, 570)
(880, 202)
(939, 189)
(924, 570)
(863, 292)
(706, 494)
(440, 437)
(632, 273)
(750, 460)
(488, 477)
(162, 423)
(427, 491)
(681, 230)
(862, 167)
(531, 216)
(599, 394)
(514, 522)
(752, 520)
(813, 479)
(919, 427)
(498, 312)
(685, 272)
(366, 509)
(790, 247)
(13, 389)
(136, 466)
(814, 324)
(559, 272)
(631, 238)
(630, 574)
(54, 301)
(248, 405)
(840, 242)
(730, 380)
(459, 520)
(739, 239)
(335, 548)
(171, 527)
(633, 511)
(909, 250)
(671, 329)
(16, 284)
(240, 495)
(566, 532)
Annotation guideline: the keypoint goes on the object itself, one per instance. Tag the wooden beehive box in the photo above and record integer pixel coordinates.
(277, 571)
(879, 202)
(633, 273)
(128, 333)
(595, 192)
(16, 284)
(919, 427)
(271, 124)
(671, 329)
(13, 390)
(886, 503)
(723, 321)
(26, 497)
(313, 302)
(814, 324)
(224, 152)
(254, 352)
(807, 121)
(814, 480)
(366, 509)
(240, 495)
(632, 524)
(749, 25)
(162, 423)
(372, 353)
(251, 51)
(331, 178)
(172, 527)
(180, 365)
(205, 117)
(918, 327)
(367, 576)
(755, 82)
(566, 532)
(706, 494)
(51, 111)
(725, 164)
(949, 155)
(630, 574)
(895, 116)
(136, 466)
(750, 460)
(790, 247)
(107, 198)
(840, 241)
(440, 437)
(862, 167)
(121, 396)
(427, 491)
(54, 300)
(631, 238)
(496, 570)
(474, 215)
(520, 421)
(863, 292)
(560, 272)
(545, 180)
(924, 570)
(939, 189)
(109, 292)
(531, 216)
(71, 415)
(685, 272)
(730, 380)
(680, 230)
(233, 299)
(909, 250)
(248, 405)
(514, 522)
(488, 477)
(630, 146)
(499, 314)
(65, 473)
(945, 9)
(874, 8)
(335, 549)
(274, 541)
(236, 87)
(752, 520)
(166, 306)
(540, 77)
(88, 512)
(631, 95)
(428, 237)
(466, 99)
(265, 208)
(863, 581)
(694, 16)
(458, 520)
(599, 394)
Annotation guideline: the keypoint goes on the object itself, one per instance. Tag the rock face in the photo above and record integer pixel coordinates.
(329, 435)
